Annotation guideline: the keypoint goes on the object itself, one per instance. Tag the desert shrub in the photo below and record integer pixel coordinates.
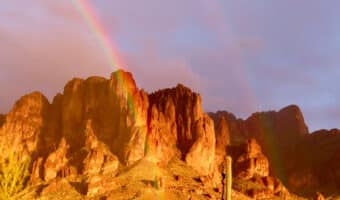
(156, 183)
(14, 172)
(146, 146)
(245, 185)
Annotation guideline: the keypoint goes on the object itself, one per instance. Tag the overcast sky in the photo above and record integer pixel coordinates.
(242, 56)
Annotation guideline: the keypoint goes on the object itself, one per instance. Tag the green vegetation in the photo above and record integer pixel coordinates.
(244, 186)
(14, 172)
(156, 183)
(146, 146)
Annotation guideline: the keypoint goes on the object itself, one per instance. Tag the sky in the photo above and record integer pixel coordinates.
(242, 56)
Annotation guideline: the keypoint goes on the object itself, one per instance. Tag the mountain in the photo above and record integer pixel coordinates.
(108, 139)
(298, 158)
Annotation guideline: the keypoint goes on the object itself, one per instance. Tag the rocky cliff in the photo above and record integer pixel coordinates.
(24, 125)
(97, 123)
(314, 163)
(251, 172)
(178, 126)
(296, 157)
(99, 128)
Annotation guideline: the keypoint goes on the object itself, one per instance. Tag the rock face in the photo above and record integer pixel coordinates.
(315, 163)
(223, 135)
(56, 161)
(178, 126)
(97, 124)
(296, 157)
(113, 111)
(281, 127)
(236, 127)
(251, 166)
(335, 168)
(250, 162)
(318, 196)
(25, 124)
(278, 133)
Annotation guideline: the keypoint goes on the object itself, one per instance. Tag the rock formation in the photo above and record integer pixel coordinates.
(223, 133)
(96, 126)
(250, 161)
(25, 124)
(251, 166)
(113, 111)
(96, 123)
(235, 126)
(91, 122)
(315, 163)
(178, 126)
(296, 157)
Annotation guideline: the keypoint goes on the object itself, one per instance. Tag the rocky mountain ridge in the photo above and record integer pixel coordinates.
(297, 157)
(98, 126)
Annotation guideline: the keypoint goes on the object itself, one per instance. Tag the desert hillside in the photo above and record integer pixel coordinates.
(107, 139)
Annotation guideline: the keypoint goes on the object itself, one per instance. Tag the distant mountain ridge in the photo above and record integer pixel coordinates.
(97, 126)
(297, 157)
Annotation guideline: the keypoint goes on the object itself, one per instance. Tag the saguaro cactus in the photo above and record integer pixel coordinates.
(228, 179)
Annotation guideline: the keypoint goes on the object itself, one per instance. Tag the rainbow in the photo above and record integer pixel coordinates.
(269, 134)
(88, 13)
